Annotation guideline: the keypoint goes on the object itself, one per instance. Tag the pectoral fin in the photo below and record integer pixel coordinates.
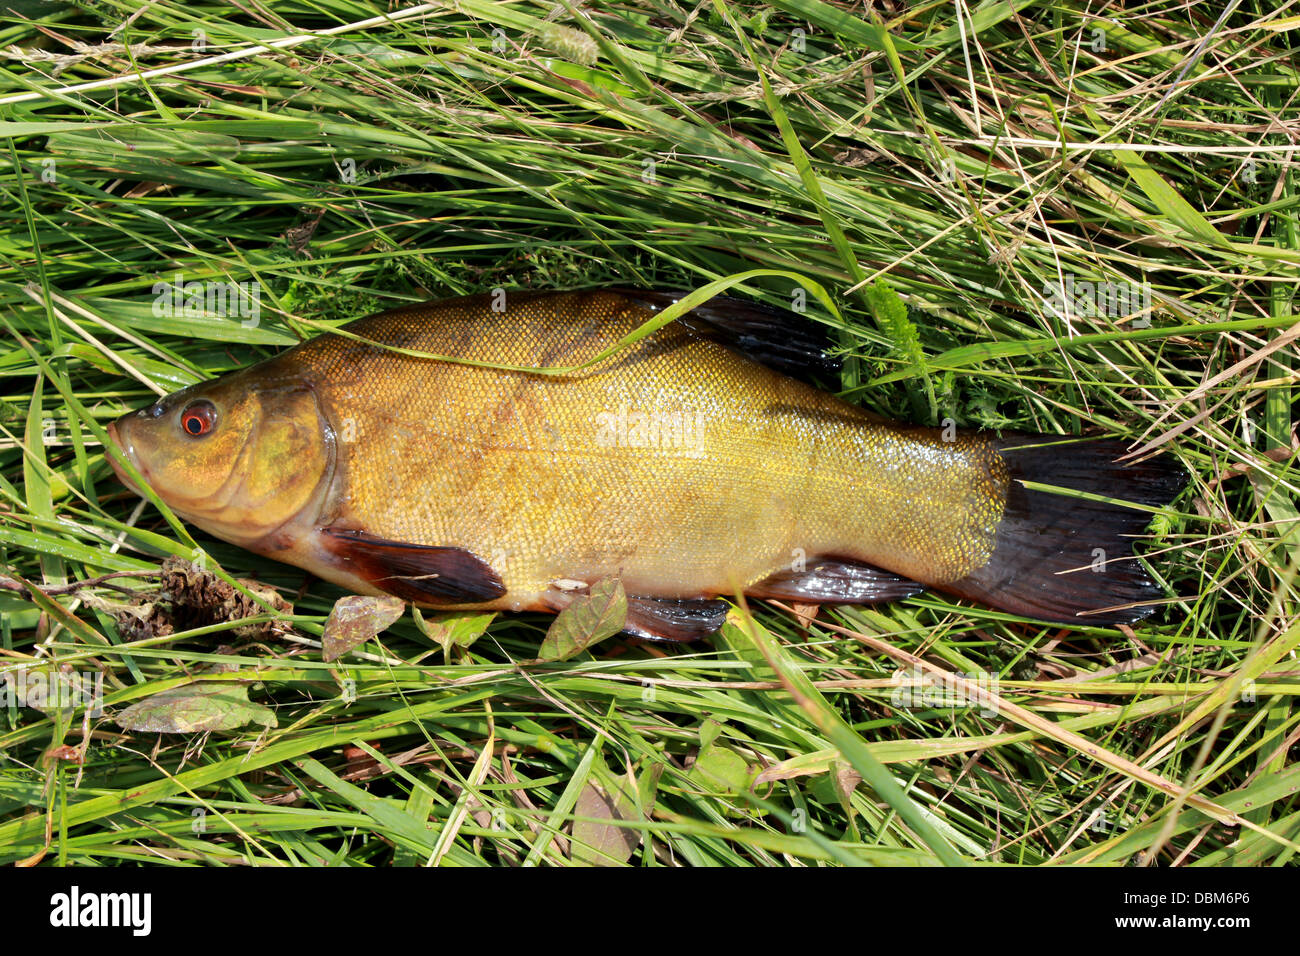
(835, 581)
(420, 573)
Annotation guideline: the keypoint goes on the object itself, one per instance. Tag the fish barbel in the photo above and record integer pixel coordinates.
(692, 464)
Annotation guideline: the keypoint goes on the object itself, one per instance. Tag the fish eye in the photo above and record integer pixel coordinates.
(199, 418)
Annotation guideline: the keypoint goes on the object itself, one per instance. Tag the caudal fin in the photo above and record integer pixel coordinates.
(1070, 559)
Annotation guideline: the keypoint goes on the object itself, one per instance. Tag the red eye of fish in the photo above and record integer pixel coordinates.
(198, 419)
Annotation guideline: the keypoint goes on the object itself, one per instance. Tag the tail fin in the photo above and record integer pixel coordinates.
(1057, 557)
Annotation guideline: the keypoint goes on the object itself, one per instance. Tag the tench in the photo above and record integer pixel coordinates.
(694, 464)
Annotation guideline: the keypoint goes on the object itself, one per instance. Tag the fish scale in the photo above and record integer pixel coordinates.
(511, 464)
(678, 463)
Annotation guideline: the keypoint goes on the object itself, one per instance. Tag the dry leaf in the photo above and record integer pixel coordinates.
(356, 619)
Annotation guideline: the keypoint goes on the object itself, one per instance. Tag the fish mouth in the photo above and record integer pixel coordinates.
(127, 451)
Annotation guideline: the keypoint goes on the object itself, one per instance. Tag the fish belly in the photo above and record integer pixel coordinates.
(678, 465)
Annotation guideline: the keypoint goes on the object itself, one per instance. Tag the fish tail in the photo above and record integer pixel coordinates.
(1067, 558)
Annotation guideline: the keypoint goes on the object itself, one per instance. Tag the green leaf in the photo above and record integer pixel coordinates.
(590, 619)
(840, 22)
(454, 630)
(964, 356)
(356, 619)
(853, 748)
(709, 731)
(194, 708)
(985, 16)
(411, 834)
(720, 768)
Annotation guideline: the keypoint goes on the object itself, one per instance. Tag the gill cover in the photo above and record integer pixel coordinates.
(237, 458)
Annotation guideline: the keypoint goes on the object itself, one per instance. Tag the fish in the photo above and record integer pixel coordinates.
(506, 452)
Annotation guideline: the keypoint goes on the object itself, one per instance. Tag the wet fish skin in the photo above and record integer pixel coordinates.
(678, 464)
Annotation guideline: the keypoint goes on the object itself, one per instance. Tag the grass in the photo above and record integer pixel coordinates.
(343, 162)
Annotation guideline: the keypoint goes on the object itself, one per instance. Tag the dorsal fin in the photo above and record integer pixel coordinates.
(781, 340)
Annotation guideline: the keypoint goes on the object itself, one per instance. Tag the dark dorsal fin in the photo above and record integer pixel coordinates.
(421, 573)
(781, 340)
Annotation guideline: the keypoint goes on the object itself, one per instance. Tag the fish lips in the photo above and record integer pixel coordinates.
(119, 431)
(126, 450)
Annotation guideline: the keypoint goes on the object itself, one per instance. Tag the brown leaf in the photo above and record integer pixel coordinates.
(356, 619)
(602, 844)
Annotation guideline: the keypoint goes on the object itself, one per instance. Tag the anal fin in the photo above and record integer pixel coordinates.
(666, 619)
(836, 581)
(423, 574)
(674, 620)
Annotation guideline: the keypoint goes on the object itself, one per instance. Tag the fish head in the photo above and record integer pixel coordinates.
(239, 456)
